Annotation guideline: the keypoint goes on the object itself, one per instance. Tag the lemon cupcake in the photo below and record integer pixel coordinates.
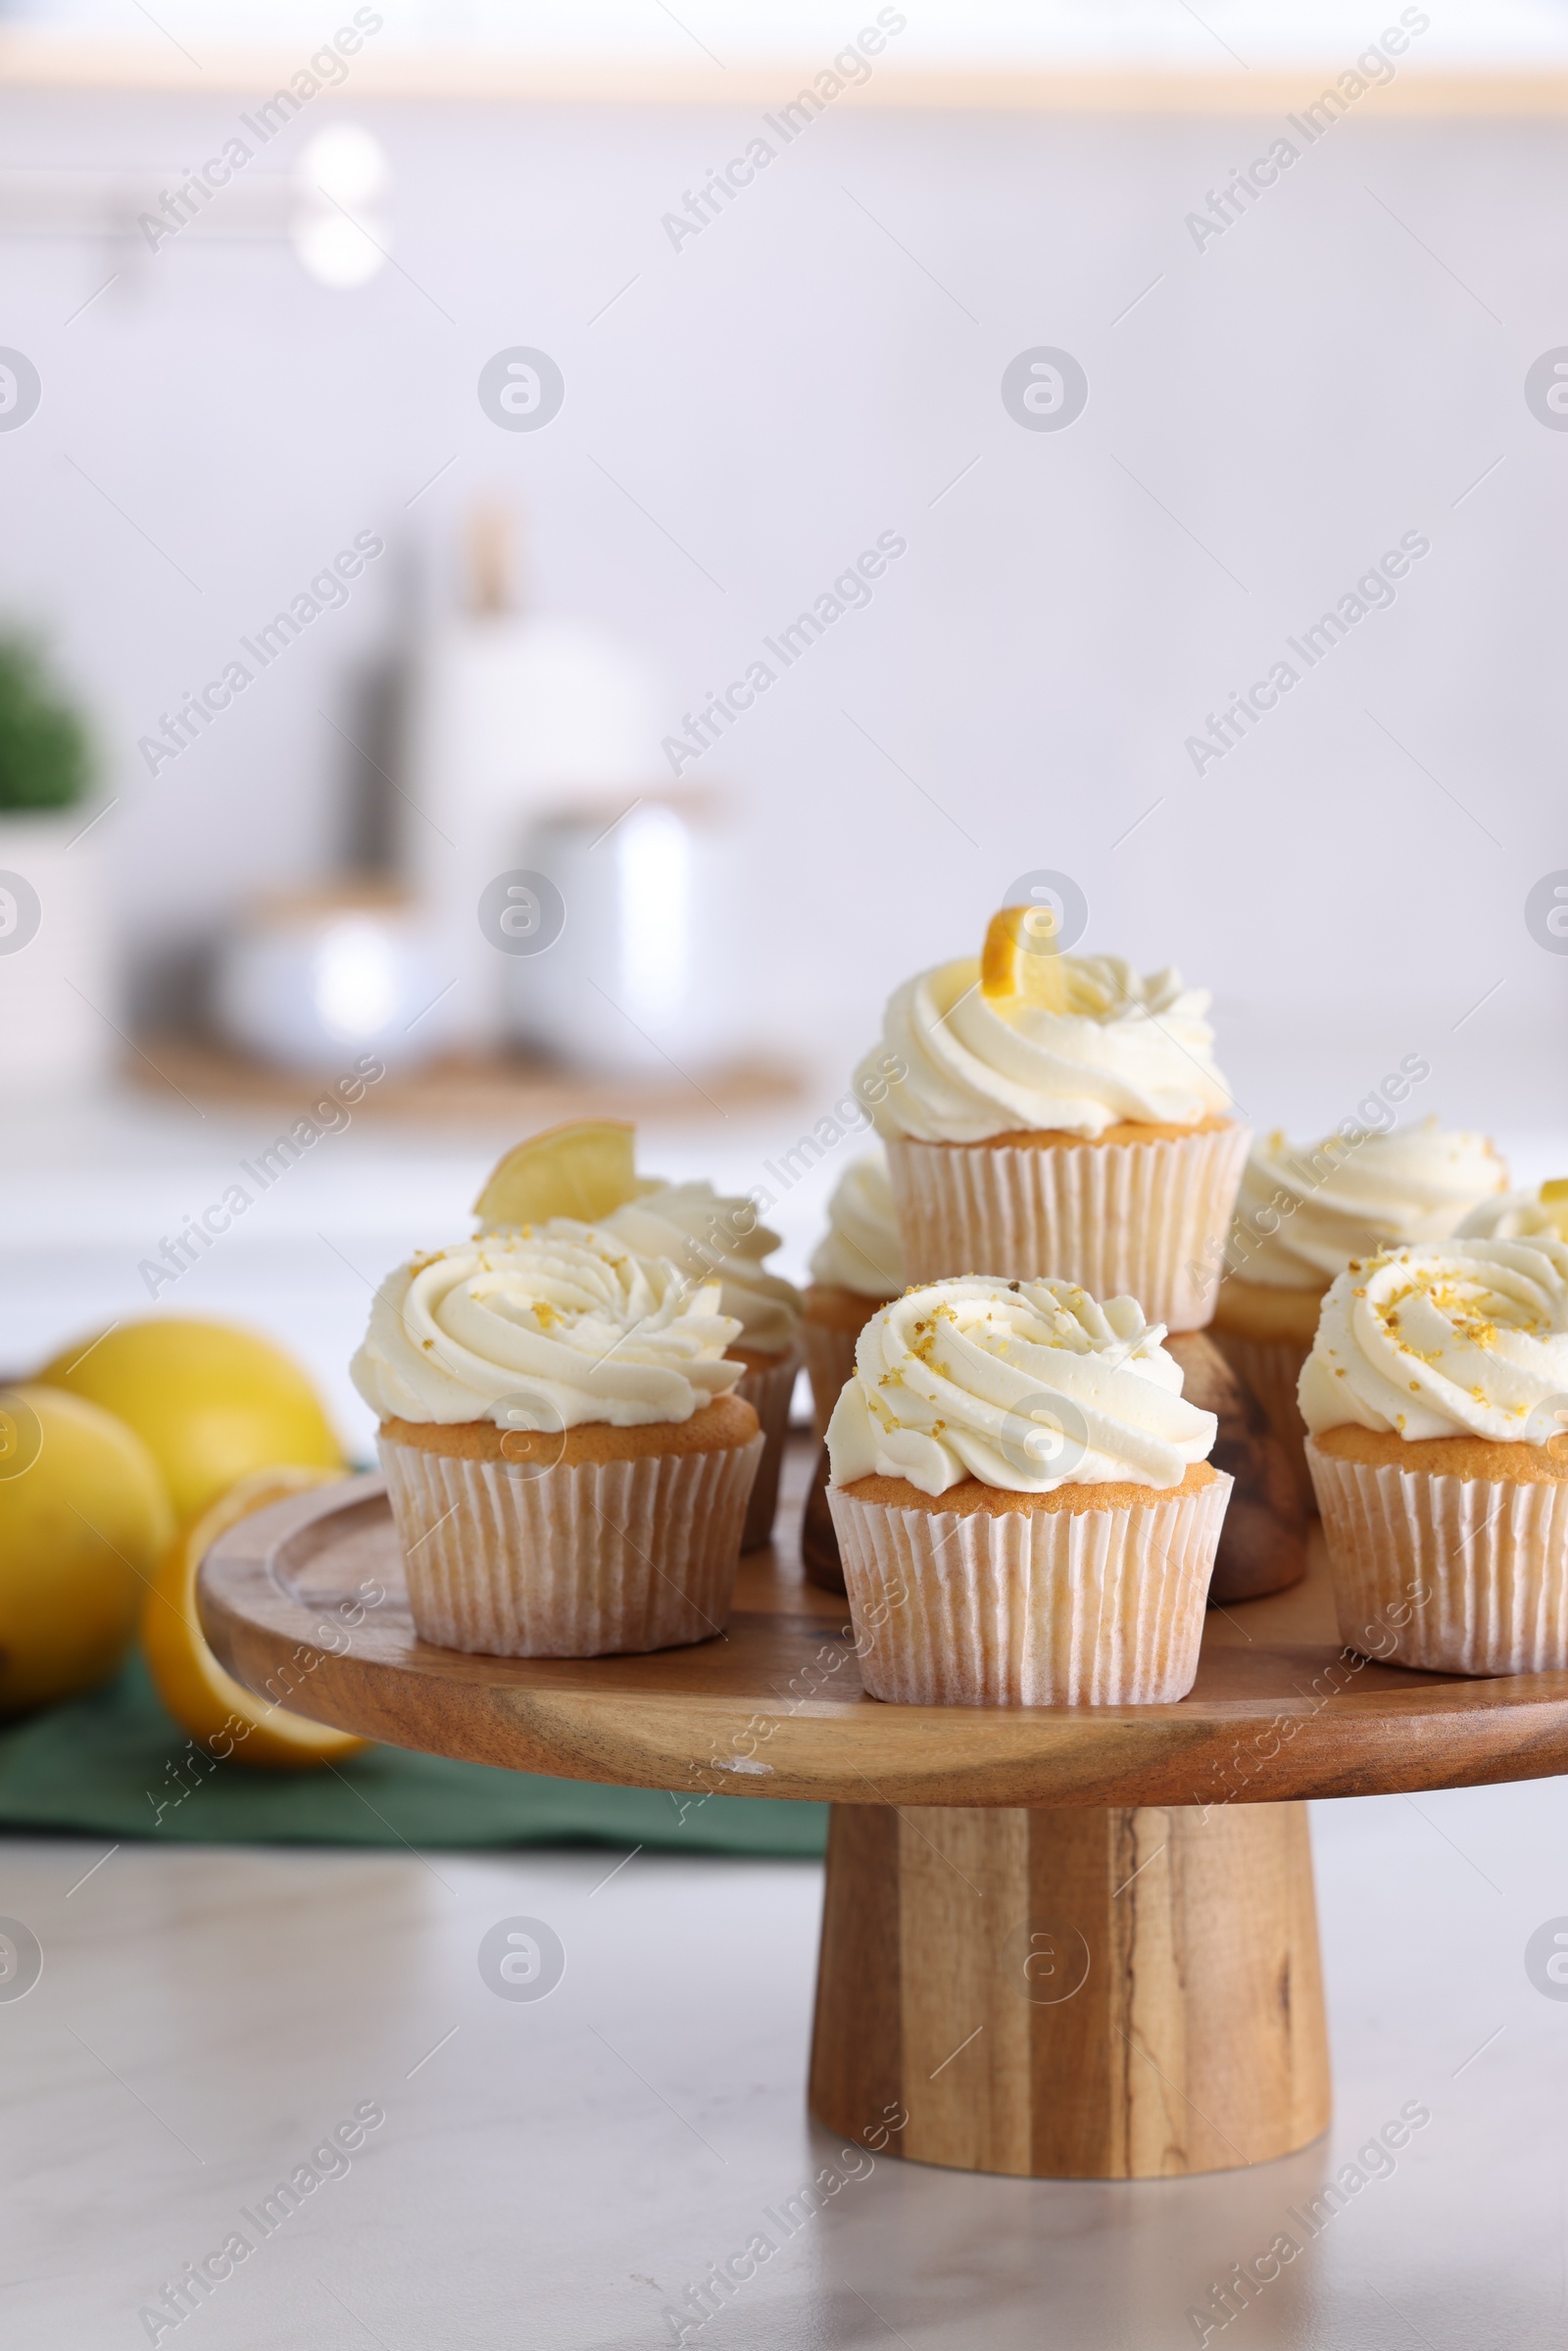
(1436, 1395)
(1024, 1505)
(1057, 1114)
(857, 1266)
(1304, 1210)
(567, 1461)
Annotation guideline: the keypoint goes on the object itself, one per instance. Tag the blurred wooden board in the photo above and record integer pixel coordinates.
(1140, 82)
(775, 1707)
(506, 1090)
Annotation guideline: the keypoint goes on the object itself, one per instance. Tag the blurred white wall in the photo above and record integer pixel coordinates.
(819, 366)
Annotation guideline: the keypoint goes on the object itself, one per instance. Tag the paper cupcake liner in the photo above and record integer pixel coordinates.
(768, 1393)
(584, 1560)
(1146, 1220)
(1271, 1368)
(829, 1362)
(1031, 1607)
(1453, 1575)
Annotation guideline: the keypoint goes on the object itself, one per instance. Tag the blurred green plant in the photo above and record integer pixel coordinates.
(45, 750)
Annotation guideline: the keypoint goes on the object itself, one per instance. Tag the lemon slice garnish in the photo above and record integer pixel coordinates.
(1021, 962)
(586, 1170)
(219, 1713)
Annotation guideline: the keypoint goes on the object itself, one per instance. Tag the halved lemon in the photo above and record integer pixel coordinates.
(586, 1169)
(220, 1714)
(1021, 962)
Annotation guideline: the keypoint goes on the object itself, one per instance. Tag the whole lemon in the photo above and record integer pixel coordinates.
(83, 1516)
(210, 1403)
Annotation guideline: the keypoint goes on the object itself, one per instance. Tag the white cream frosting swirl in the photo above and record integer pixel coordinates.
(1461, 1339)
(861, 1250)
(1304, 1209)
(1520, 1215)
(1131, 1049)
(549, 1327)
(714, 1236)
(1027, 1386)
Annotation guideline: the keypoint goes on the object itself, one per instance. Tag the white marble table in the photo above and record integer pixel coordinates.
(560, 2172)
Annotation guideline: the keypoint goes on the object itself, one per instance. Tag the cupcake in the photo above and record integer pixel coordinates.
(715, 1237)
(1057, 1114)
(1435, 1396)
(567, 1463)
(1023, 1501)
(857, 1266)
(1520, 1215)
(1304, 1212)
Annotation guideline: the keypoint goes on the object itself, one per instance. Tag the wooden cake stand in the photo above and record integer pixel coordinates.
(1061, 1941)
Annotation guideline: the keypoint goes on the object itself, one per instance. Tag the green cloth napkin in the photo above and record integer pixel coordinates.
(116, 1764)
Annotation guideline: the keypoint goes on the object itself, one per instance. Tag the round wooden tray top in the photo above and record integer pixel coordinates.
(775, 1707)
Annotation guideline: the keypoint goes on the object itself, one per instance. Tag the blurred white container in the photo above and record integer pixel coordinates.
(304, 980)
(58, 1011)
(510, 715)
(635, 967)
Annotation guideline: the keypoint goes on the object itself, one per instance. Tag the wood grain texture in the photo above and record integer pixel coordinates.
(857, 2049)
(1115, 1994)
(1279, 1710)
(511, 1091)
(47, 60)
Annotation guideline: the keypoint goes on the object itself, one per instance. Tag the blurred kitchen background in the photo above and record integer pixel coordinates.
(540, 423)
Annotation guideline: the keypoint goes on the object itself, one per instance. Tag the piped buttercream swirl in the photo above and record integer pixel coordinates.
(715, 1236)
(1028, 1385)
(860, 1250)
(1304, 1209)
(551, 1326)
(1520, 1215)
(1461, 1339)
(1129, 1049)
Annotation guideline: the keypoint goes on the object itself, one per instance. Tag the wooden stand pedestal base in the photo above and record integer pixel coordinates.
(1014, 1978)
(1088, 1995)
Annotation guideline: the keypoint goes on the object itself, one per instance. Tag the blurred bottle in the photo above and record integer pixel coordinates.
(512, 717)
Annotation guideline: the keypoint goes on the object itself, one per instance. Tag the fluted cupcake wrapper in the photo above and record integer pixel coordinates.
(1145, 1220)
(1453, 1575)
(829, 1362)
(1030, 1607)
(587, 1559)
(768, 1393)
(1271, 1369)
